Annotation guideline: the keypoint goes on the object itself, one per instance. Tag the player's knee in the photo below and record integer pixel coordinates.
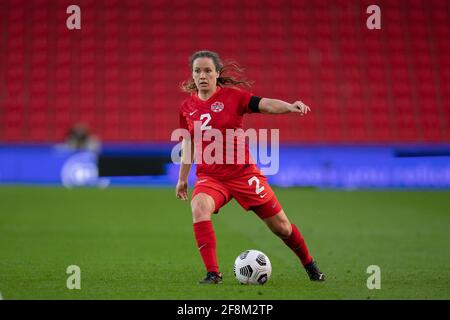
(280, 225)
(283, 229)
(201, 209)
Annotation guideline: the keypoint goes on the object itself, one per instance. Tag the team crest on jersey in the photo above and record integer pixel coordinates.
(217, 106)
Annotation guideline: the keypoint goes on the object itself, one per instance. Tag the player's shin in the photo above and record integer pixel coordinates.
(206, 242)
(297, 244)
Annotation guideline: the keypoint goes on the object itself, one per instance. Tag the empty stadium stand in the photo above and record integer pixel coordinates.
(121, 72)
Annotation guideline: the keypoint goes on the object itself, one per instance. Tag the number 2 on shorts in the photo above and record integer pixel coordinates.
(258, 189)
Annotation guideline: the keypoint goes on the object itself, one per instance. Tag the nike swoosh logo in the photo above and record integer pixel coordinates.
(202, 246)
(191, 113)
(263, 195)
(200, 181)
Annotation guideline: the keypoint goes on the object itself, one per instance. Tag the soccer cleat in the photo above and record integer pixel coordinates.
(212, 278)
(313, 272)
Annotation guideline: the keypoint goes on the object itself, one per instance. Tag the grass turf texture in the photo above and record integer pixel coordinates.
(139, 244)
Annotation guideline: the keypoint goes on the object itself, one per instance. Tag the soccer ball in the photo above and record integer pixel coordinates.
(252, 267)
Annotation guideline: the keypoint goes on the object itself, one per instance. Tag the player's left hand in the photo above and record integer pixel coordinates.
(300, 107)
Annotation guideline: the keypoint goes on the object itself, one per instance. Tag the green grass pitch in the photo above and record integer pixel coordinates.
(137, 243)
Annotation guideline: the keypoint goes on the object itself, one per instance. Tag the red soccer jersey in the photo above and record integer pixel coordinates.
(223, 110)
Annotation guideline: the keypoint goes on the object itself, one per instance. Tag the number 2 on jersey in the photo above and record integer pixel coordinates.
(258, 188)
(205, 126)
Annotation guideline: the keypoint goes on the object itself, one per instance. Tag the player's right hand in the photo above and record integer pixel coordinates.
(181, 190)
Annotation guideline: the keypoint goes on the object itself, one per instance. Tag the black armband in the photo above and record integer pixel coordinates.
(254, 103)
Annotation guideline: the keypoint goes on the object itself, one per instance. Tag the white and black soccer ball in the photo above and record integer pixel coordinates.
(252, 267)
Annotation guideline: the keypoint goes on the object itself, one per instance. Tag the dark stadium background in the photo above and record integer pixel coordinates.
(380, 120)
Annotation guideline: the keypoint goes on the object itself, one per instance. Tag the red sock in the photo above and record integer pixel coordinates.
(206, 242)
(297, 244)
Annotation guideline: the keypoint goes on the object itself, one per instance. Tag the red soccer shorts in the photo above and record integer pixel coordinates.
(252, 192)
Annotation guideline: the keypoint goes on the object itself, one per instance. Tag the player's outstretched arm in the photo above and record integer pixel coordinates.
(275, 106)
(185, 166)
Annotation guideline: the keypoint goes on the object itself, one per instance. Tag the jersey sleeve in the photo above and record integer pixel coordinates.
(248, 102)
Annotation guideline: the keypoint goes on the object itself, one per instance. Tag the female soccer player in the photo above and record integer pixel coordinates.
(217, 103)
